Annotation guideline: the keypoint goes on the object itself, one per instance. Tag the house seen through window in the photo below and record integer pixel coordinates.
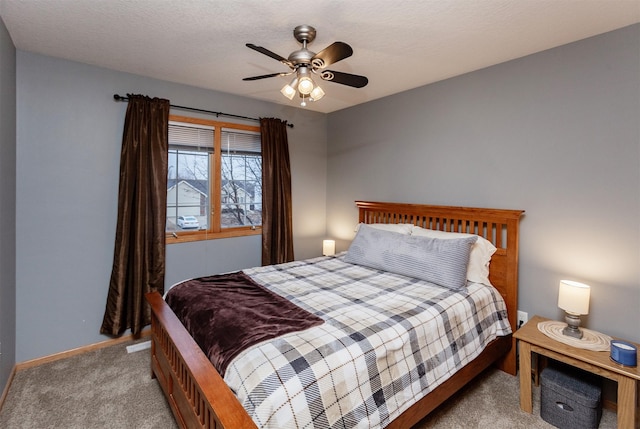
(214, 186)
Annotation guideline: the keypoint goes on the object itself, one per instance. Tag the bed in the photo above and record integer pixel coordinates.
(200, 397)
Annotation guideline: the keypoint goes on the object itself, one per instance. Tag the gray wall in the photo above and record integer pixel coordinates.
(69, 133)
(7, 205)
(556, 134)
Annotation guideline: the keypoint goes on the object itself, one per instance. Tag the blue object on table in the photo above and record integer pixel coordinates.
(624, 353)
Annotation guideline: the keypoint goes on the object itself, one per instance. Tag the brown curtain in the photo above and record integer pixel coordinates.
(138, 260)
(277, 230)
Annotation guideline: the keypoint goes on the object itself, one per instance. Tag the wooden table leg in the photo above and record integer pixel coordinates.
(526, 401)
(626, 402)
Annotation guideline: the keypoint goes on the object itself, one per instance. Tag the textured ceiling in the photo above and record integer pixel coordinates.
(398, 45)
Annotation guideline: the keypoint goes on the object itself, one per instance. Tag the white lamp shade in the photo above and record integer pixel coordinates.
(317, 93)
(573, 297)
(305, 85)
(328, 247)
(288, 91)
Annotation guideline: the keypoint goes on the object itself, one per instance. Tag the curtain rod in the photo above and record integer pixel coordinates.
(193, 109)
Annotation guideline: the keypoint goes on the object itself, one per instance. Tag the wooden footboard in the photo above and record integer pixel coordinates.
(196, 393)
(199, 397)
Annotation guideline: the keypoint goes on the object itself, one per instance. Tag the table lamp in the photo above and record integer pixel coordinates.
(328, 247)
(573, 298)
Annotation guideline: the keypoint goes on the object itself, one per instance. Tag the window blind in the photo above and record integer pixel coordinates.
(191, 137)
(240, 142)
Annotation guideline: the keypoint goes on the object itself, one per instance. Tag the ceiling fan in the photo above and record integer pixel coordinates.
(304, 63)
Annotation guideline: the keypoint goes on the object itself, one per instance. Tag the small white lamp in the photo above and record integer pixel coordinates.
(328, 247)
(573, 298)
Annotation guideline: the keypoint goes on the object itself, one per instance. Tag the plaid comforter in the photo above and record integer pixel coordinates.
(387, 341)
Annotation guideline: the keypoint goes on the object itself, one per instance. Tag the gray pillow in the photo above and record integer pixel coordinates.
(439, 261)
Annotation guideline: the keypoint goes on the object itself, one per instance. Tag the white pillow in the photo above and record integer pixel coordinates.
(481, 252)
(402, 228)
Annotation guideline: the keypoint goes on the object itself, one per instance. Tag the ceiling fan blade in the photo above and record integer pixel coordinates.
(344, 78)
(268, 53)
(333, 53)
(264, 76)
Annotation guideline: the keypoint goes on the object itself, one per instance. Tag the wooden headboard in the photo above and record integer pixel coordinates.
(499, 226)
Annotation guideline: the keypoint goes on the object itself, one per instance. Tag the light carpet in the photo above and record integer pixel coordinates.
(110, 388)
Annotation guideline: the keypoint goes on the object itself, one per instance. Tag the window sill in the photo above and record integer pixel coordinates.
(189, 236)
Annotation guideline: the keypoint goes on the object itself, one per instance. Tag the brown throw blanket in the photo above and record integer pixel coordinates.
(227, 313)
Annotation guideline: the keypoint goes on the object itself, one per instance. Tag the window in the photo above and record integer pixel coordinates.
(214, 181)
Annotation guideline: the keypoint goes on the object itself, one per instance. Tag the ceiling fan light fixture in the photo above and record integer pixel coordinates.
(289, 90)
(317, 93)
(305, 84)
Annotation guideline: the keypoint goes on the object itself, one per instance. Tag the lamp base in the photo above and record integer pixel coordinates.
(573, 326)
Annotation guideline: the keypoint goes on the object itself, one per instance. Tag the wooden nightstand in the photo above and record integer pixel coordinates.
(532, 340)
